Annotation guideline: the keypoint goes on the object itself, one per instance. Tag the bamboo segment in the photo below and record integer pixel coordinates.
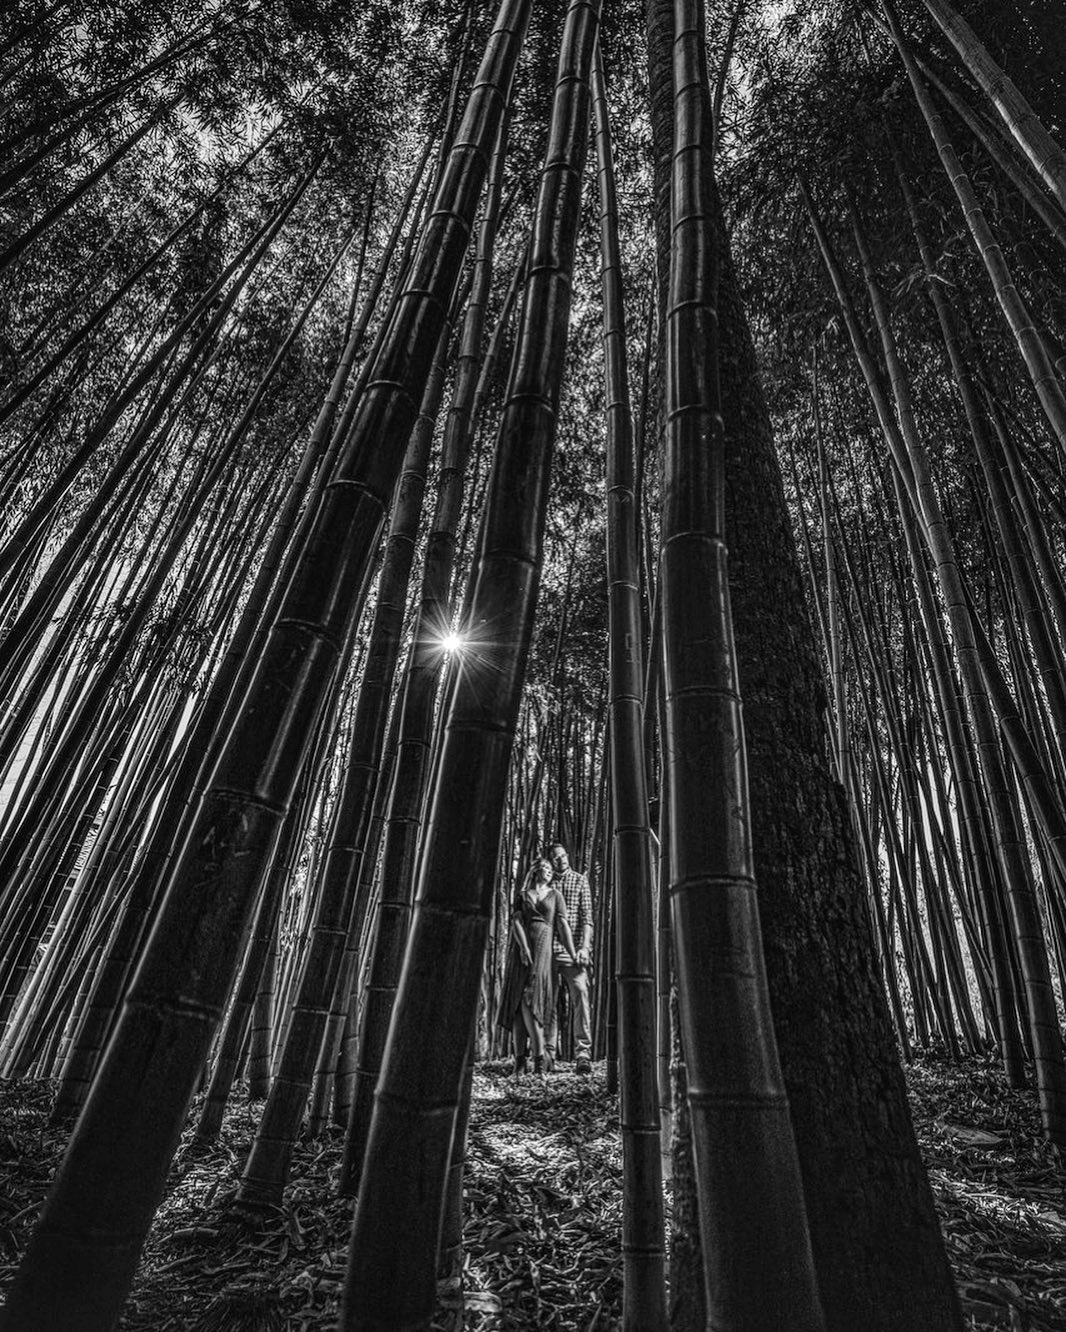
(266, 1170)
(758, 1269)
(1006, 157)
(1030, 344)
(82, 1256)
(643, 1245)
(417, 704)
(985, 704)
(1019, 117)
(389, 1285)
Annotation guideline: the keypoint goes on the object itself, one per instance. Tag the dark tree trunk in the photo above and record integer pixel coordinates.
(878, 1251)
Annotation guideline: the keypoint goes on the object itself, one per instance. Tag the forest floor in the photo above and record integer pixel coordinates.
(543, 1212)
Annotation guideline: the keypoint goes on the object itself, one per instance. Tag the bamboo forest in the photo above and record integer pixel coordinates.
(532, 665)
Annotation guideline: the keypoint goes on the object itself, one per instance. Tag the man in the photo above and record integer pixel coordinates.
(573, 971)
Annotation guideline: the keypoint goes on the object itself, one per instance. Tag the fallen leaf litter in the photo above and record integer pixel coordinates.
(543, 1212)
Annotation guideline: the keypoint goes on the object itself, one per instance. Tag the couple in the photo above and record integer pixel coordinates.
(542, 953)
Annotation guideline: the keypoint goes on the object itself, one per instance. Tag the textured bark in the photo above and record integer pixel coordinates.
(757, 1263)
(877, 1248)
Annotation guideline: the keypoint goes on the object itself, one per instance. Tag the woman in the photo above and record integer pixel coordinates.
(538, 915)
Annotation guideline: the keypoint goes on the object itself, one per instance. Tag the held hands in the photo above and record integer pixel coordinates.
(583, 957)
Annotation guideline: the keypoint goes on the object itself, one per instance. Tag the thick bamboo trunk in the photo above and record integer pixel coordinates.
(267, 1167)
(109, 1184)
(391, 1285)
(880, 1260)
(417, 703)
(757, 1264)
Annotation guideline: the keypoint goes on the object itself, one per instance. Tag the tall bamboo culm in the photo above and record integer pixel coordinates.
(643, 1243)
(758, 1269)
(391, 1282)
(83, 1254)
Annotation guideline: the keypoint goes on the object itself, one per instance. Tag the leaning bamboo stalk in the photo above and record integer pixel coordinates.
(920, 967)
(1019, 117)
(69, 344)
(1048, 652)
(927, 833)
(1010, 162)
(348, 1008)
(965, 625)
(149, 666)
(407, 1159)
(94, 697)
(418, 699)
(99, 1013)
(1034, 354)
(1033, 524)
(238, 1026)
(59, 209)
(832, 610)
(102, 1201)
(60, 756)
(87, 895)
(922, 501)
(21, 639)
(987, 705)
(243, 650)
(266, 1169)
(87, 106)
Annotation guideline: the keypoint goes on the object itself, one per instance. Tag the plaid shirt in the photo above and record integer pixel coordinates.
(577, 896)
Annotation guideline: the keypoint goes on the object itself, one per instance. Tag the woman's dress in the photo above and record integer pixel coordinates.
(532, 981)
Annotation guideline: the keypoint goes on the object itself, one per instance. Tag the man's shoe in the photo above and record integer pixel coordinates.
(583, 1067)
(548, 1062)
(521, 1066)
